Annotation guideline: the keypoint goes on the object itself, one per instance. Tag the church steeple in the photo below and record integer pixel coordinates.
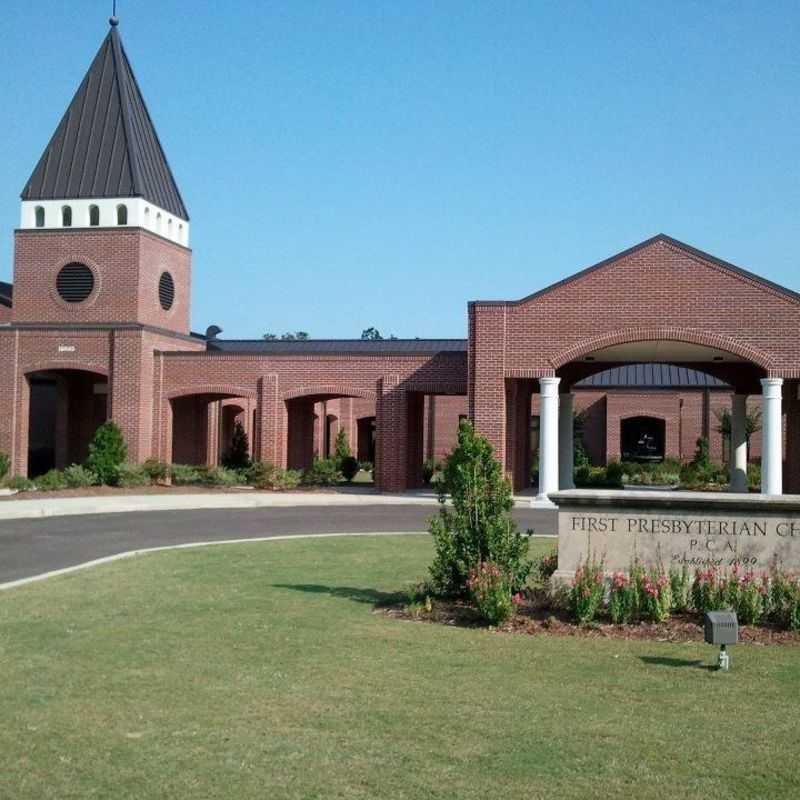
(106, 148)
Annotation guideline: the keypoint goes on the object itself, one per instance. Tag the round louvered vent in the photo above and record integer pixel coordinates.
(166, 291)
(75, 283)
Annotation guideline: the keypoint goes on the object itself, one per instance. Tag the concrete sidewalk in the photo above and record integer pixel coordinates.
(36, 507)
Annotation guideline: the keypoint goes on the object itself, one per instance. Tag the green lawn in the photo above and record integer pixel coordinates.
(260, 671)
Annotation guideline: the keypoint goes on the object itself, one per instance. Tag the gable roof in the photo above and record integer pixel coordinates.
(660, 237)
(106, 144)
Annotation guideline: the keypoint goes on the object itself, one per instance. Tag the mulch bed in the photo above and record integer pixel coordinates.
(533, 620)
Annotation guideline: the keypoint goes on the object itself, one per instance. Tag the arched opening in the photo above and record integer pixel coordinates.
(40, 218)
(66, 217)
(158, 222)
(94, 216)
(331, 430)
(66, 408)
(642, 439)
(639, 400)
(202, 427)
(366, 440)
(122, 214)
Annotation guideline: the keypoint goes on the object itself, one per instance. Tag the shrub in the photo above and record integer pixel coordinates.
(429, 468)
(51, 481)
(614, 473)
(545, 565)
(107, 452)
(490, 588)
(586, 591)
(222, 476)
(479, 526)
(265, 476)
(78, 477)
(746, 595)
(754, 477)
(185, 475)
(238, 454)
(323, 472)
(5, 465)
(20, 483)
(366, 466)
(654, 595)
(622, 602)
(131, 475)
(349, 468)
(680, 582)
(341, 448)
(706, 591)
(155, 469)
(784, 599)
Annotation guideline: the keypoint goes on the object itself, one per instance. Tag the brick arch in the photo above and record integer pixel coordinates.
(335, 389)
(687, 335)
(61, 366)
(212, 388)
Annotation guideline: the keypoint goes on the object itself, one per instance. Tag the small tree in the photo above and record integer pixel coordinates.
(479, 527)
(341, 448)
(752, 424)
(107, 452)
(238, 454)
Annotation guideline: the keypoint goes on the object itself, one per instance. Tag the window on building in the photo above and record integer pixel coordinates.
(122, 214)
(158, 222)
(66, 217)
(94, 216)
(39, 216)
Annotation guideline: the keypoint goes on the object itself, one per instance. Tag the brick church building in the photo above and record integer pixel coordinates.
(651, 344)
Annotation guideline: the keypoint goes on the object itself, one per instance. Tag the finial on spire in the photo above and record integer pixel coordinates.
(114, 21)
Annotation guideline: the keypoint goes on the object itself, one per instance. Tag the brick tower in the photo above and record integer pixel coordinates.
(102, 275)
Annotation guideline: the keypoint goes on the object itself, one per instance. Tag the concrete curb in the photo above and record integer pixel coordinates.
(126, 504)
(96, 562)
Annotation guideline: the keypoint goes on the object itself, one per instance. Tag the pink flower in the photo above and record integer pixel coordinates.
(518, 599)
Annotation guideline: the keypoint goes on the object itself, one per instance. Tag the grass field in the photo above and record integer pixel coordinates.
(260, 671)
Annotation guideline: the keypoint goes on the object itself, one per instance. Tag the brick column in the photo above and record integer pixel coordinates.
(415, 437)
(391, 428)
(272, 423)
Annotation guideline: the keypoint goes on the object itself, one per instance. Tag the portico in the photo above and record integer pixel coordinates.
(600, 318)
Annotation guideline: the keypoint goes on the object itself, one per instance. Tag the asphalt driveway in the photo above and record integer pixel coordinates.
(30, 547)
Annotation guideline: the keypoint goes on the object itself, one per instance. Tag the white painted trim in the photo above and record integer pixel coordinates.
(141, 214)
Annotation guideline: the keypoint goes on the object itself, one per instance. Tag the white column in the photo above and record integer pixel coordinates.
(566, 443)
(771, 436)
(548, 437)
(738, 481)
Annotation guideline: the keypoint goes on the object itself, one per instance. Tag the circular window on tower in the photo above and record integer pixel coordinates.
(166, 291)
(74, 283)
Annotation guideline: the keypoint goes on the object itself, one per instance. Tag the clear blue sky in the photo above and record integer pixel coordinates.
(348, 164)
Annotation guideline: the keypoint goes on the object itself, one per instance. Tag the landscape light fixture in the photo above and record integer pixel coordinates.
(722, 628)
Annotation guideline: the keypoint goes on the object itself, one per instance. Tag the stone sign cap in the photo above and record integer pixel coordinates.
(721, 627)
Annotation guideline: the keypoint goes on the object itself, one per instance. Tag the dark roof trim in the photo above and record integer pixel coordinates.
(661, 237)
(338, 346)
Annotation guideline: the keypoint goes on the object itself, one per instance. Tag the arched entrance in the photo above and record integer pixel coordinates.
(642, 439)
(66, 408)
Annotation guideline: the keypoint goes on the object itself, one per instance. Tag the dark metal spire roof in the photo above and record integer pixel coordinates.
(106, 144)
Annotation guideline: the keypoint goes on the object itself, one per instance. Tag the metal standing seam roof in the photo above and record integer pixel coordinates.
(337, 346)
(106, 144)
(651, 376)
